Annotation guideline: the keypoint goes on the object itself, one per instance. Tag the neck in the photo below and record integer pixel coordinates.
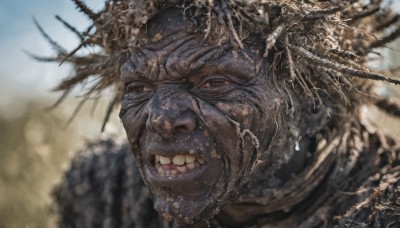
(298, 179)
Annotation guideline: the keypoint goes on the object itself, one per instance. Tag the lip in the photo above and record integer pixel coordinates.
(191, 182)
(189, 176)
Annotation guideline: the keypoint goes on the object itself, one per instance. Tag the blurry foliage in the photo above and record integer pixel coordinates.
(34, 149)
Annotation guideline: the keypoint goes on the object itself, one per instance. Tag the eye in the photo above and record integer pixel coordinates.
(214, 83)
(139, 88)
(214, 86)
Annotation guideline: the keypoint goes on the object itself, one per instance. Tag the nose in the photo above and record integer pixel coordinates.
(171, 112)
(184, 124)
(168, 123)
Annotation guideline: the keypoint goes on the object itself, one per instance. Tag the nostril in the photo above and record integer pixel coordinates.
(185, 123)
(181, 128)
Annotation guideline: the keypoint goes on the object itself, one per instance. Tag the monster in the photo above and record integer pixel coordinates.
(237, 114)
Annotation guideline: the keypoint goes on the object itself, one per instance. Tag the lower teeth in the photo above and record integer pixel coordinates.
(178, 169)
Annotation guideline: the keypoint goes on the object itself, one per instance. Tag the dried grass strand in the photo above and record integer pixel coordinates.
(339, 67)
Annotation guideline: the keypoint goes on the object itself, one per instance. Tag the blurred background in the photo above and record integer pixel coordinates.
(36, 144)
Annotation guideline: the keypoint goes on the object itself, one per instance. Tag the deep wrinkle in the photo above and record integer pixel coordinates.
(187, 68)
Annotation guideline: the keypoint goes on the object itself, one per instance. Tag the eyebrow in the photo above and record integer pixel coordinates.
(185, 62)
(225, 63)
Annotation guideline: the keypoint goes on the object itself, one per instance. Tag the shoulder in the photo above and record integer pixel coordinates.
(378, 199)
(103, 188)
(385, 201)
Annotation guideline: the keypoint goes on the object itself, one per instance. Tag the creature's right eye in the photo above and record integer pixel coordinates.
(139, 89)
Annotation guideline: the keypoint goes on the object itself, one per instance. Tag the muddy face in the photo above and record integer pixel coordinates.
(195, 115)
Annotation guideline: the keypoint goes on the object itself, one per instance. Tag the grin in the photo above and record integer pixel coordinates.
(176, 165)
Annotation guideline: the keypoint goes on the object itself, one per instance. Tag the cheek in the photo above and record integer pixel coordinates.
(134, 122)
(224, 132)
(257, 118)
(241, 113)
(251, 112)
(248, 119)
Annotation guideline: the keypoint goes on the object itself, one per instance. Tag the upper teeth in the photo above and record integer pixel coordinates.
(183, 163)
(178, 159)
(164, 160)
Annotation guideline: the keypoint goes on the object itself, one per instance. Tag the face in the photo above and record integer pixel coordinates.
(196, 115)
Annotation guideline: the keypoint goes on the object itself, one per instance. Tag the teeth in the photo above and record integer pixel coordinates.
(191, 165)
(164, 160)
(161, 170)
(181, 169)
(182, 163)
(190, 159)
(179, 159)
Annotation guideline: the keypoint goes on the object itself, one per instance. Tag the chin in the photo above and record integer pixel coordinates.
(185, 187)
(184, 209)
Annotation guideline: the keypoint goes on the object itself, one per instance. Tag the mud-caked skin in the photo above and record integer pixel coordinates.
(185, 96)
(251, 131)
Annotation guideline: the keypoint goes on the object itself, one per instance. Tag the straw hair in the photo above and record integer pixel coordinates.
(320, 47)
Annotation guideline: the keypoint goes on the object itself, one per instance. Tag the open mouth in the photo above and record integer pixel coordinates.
(176, 165)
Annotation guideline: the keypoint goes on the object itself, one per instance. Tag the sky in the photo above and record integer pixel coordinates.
(21, 77)
(20, 74)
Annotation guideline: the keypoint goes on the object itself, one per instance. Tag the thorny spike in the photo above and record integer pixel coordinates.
(338, 58)
(76, 111)
(319, 14)
(392, 20)
(110, 108)
(334, 83)
(85, 9)
(390, 106)
(41, 58)
(48, 38)
(341, 68)
(292, 72)
(365, 13)
(78, 77)
(70, 54)
(339, 77)
(344, 54)
(60, 99)
(386, 39)
(70, 27)
(272, 38)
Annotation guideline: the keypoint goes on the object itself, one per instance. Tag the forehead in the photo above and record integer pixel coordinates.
(173, 48)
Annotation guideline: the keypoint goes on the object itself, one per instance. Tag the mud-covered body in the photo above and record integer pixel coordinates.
(103, 188)
(238, 113)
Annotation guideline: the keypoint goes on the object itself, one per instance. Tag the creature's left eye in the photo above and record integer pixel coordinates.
(214, 83)
(213, 86)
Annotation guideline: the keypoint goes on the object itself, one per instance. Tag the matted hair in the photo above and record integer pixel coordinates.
(324, 43)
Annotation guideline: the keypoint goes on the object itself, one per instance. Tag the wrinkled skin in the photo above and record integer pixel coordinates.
(185, 95)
